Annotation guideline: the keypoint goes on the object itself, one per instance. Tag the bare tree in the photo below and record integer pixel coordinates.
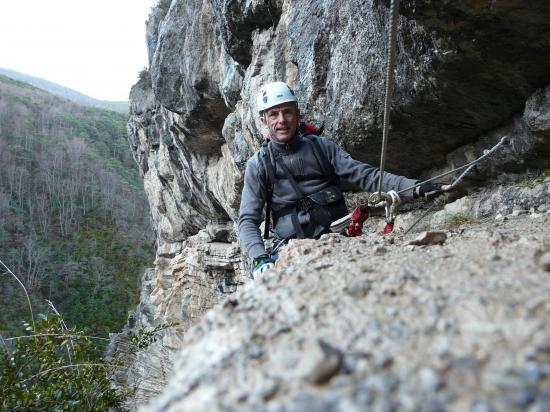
(35, 255)
(4, 208)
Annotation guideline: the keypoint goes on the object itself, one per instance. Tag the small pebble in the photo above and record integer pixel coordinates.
(320, 362)
(379, 250)
(392, 311)
(521, 397)
(479, 406)
(442, 348)
(268, 388)
(434, 309)
(385, 361)
(406, 274)
(255, 352)
(541, 406)
(358, 288)
(542, 259)
(430, 380)
(533, 373)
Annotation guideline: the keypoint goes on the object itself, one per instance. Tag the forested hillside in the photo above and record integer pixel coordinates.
(73, 217)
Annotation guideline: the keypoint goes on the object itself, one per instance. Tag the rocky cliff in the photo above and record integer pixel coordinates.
(467, 73)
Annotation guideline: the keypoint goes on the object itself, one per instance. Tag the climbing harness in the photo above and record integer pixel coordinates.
(390, 200)
(322, 206)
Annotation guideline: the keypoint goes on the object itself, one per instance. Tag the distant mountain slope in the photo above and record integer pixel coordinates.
(74, 222)
(65, 92)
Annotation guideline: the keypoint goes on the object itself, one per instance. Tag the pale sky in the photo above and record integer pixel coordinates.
(96, 47)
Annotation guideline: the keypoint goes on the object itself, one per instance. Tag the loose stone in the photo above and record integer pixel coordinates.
(435, 237)
(430, 380)
(320, 362)
(358, 288)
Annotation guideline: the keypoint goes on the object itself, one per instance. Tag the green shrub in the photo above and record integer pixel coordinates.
(54, 368)
(460, 220)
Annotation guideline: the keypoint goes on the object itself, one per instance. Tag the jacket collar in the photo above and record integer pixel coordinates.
(288, 147)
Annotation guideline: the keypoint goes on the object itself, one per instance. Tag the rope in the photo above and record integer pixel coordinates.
(390, 75)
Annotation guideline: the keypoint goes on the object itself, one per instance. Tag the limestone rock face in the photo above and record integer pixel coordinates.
(467, 73)
(189, 278)
(463, 70)
(455, 81)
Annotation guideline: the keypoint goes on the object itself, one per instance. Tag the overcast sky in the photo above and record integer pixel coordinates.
(96, 47)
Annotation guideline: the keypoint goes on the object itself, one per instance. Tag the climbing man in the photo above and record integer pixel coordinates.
(298, 176)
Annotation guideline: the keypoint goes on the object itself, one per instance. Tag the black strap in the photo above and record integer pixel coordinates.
(267, 214)
(268, 164)
(270, 173)
(326, 166)
(297, 225)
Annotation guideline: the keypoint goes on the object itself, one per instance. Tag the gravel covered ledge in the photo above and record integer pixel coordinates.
(375, 323)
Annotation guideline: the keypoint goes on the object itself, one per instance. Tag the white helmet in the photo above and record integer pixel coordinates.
(273, 94)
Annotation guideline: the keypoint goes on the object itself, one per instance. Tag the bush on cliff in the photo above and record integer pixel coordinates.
(55, 368)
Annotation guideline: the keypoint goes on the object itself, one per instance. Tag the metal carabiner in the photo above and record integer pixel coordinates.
(392, 200)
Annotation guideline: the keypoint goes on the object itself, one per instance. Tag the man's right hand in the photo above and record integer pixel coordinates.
(429, 188)
(261, 265)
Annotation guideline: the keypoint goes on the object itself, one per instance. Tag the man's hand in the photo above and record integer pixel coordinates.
(429, 188)
(261, 265)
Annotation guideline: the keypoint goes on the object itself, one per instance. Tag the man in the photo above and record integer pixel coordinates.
(298, 175)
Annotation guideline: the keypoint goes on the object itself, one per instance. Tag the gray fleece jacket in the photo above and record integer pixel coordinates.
(299, 157)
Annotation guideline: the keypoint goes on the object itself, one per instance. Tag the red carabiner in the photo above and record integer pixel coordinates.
(358, 218)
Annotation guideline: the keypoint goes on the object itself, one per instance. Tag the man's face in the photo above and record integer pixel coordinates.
(282, 121)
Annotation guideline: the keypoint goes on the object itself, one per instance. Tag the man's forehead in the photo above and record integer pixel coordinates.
(283, 106)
